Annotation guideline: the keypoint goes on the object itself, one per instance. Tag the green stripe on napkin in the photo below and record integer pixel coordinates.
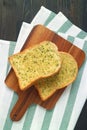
(65, 26)
(82, 35)
(47, 119)
(70, 38)
(29, 117)
(51, 16)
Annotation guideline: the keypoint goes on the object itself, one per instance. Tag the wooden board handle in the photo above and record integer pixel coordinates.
(24, 101)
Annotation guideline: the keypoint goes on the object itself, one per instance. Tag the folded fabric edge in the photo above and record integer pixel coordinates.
(41, 15)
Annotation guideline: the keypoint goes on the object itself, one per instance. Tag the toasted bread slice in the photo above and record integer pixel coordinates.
(38, 62)
(66, 75)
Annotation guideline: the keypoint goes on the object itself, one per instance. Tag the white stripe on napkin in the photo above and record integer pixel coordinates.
(72, 32)
(3, 60)
(4, 48)
(58, 21)
(85, 38)
(19, 125)
(25, 31)
(41, 16)
(59, 110)
(79, 102)
(38, 118)
(4, 94)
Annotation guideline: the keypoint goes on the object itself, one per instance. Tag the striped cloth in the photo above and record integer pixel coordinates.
(66, 111)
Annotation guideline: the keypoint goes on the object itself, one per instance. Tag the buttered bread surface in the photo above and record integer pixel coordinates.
(66, 75)
(40, 61)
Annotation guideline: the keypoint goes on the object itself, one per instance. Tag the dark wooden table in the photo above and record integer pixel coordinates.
(14, 12)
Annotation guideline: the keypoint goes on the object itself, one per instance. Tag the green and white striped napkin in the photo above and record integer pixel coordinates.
(66, 111)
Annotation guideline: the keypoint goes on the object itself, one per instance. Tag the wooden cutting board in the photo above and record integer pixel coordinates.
(25, 98)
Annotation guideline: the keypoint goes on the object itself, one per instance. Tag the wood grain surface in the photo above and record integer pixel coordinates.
(26, 98)
(14, 12)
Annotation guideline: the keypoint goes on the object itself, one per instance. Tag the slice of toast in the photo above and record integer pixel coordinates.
(40, 61)
(66, 75)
